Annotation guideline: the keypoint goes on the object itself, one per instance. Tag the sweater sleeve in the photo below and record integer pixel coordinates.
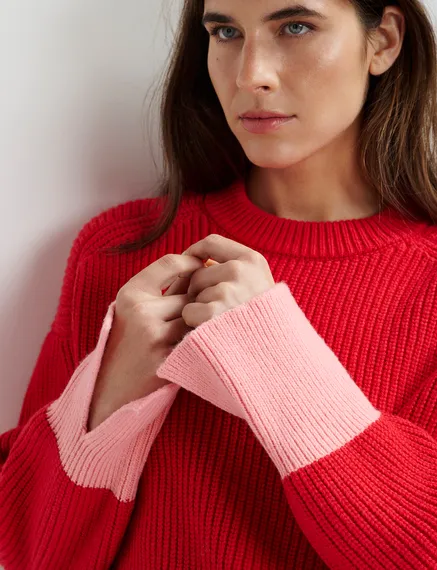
(66, 495)
(59, 483)
(362, 484)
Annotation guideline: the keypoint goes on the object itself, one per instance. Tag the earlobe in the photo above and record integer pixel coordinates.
(375, 67)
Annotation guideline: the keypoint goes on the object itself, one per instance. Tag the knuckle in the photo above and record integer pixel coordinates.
(125, 296)
(169, 260)
(131, 301)
(235, 268)
(255, 257)
(211, 309)
(214, 237)
(224, 288)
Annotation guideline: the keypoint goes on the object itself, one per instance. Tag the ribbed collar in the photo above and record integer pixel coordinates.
(232, 211)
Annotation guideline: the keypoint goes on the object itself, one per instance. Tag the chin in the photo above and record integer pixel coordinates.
(271, 158)
(270, 153)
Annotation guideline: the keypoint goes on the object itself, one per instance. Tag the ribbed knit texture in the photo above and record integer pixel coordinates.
(298, 431)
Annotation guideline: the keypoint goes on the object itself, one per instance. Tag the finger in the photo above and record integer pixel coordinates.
(160, 274)
(166, 309)
(219, 248)
(179, 286)
(176, 330)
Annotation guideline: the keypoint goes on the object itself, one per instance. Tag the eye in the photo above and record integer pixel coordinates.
(228, 29)
(215, 30)
(299, 25)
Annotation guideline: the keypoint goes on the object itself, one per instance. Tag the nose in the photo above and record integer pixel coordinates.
(257, 68)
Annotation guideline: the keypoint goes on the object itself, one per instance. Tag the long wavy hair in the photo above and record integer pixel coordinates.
(396, 143)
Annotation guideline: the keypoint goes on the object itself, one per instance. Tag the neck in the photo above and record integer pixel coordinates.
(319, 188)
(234, 213)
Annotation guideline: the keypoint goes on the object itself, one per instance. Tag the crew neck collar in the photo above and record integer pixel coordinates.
(233, 211)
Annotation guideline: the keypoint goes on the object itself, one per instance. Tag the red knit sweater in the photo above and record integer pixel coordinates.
(298, 430)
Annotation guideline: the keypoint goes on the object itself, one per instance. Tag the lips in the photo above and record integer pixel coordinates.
(264, 115)
(262, 126)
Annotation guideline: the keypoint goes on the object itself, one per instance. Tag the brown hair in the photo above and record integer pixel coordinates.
(398, 129)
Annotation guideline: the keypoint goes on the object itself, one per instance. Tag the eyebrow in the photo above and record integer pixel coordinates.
(288, 12)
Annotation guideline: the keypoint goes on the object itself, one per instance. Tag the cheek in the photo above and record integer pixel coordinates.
(331, 86)
(218, 69)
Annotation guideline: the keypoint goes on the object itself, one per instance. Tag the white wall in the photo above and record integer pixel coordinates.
(73, 76)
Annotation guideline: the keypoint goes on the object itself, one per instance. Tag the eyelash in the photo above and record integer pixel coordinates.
(215, 30)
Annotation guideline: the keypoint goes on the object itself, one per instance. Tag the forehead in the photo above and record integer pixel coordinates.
(270, 10)
(265, 6)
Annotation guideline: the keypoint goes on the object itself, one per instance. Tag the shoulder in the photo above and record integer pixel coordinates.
(428, 241)
(127, 220)
(108, 228)
(111, 225)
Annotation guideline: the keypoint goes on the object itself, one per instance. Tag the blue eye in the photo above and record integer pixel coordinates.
(216, 29)
(297, 24)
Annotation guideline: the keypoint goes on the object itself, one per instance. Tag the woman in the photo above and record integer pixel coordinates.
(305, 432)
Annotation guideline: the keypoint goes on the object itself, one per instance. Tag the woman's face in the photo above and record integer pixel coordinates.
(311, 67)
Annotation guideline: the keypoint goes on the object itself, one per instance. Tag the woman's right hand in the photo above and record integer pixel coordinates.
(147, 326)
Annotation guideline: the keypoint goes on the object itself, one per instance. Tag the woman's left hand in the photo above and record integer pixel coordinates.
(237, 274)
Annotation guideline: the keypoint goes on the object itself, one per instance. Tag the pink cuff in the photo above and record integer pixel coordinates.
(112, 456)
(264, 361)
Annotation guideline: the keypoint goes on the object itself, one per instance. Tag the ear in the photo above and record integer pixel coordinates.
(387, 40)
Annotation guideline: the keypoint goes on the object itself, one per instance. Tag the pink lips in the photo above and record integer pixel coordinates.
(261, 126)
